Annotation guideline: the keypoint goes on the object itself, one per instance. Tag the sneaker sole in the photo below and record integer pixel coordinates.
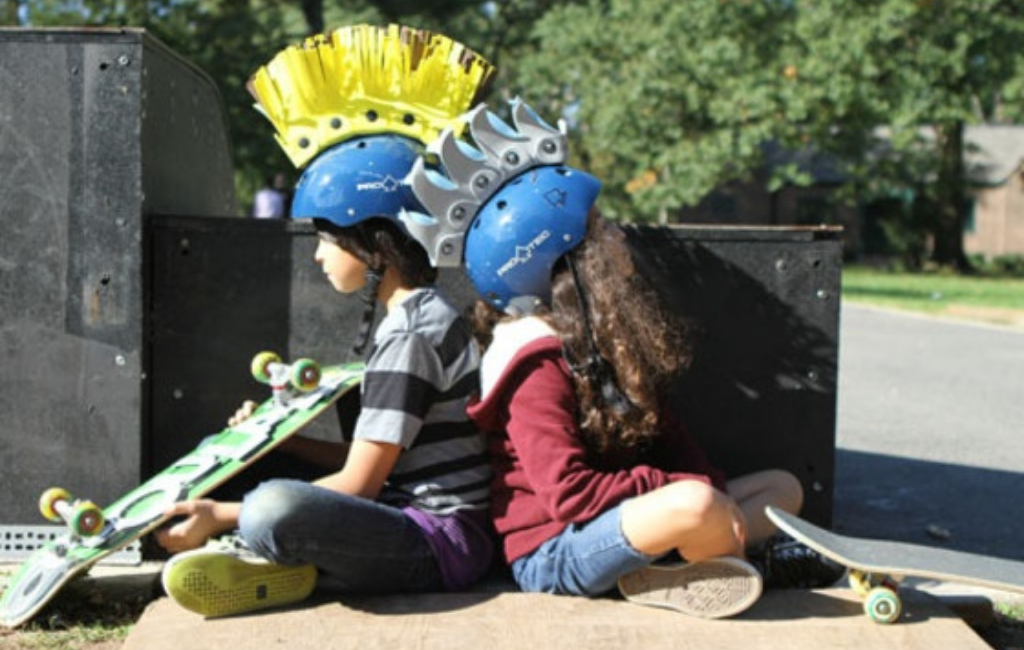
(218, 585)
(716, 588)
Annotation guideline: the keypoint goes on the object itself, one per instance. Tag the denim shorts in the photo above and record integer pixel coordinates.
(584, 560)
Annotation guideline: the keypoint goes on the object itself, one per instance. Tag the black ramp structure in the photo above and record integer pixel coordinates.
(99, 130)
(763, 304)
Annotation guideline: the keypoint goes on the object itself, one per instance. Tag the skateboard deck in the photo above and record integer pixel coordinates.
(136, 514)
(876, 566)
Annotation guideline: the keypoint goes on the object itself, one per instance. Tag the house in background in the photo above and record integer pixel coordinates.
(993, 227)
(994, 162)
(749, 202)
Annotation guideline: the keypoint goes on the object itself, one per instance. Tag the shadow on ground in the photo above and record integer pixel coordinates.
(965, 508)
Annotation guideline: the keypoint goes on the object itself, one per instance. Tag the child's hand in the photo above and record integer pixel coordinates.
(243, 413)
(199, 525)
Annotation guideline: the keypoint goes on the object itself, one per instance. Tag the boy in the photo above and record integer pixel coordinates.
(407, 511)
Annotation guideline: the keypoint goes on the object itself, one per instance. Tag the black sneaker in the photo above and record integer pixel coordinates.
(785, 563)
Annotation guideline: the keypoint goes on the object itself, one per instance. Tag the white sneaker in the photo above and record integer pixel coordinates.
(225, 577)
(715, 588)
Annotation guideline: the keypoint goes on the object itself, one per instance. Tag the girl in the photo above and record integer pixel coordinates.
(597, 484)
(406, 511)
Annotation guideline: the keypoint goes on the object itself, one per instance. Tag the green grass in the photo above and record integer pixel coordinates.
(1013, 611)
(79, 637)
(88, 614)
(1007, 631)
(938, 293)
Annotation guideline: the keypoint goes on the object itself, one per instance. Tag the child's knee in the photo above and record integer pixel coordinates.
(787, 489)
(699, 503)
(267, 509)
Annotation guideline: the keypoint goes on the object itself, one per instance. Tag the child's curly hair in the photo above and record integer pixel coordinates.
(645, 345)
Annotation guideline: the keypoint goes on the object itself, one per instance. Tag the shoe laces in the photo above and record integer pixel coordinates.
(233, 544)
(786, 563)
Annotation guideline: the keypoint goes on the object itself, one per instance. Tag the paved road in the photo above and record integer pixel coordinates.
(931, 432)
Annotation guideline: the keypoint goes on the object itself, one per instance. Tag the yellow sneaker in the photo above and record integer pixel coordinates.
(225, 578)
(715, 588)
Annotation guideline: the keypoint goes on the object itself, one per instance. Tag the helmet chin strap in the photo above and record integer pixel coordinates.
(596, 368)
(369, 297)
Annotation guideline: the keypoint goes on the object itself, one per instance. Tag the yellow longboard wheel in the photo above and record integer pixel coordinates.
(48, 503)
(260, 366)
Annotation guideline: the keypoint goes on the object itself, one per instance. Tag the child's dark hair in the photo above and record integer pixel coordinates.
(381, 244)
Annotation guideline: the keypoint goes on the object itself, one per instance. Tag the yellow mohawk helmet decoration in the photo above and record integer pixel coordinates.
(366, 80)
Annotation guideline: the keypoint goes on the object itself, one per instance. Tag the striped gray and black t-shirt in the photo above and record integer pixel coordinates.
(420, 375)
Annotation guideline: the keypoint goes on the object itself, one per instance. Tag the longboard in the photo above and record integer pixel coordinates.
(876, 566)
(301, 392)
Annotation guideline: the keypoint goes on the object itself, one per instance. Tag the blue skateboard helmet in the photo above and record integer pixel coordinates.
(522, 231)
(356, 180)
(506, 205)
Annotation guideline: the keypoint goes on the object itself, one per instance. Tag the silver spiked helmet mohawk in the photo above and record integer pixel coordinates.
(473, 174)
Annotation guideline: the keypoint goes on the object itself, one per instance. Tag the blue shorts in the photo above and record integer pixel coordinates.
(584, 560)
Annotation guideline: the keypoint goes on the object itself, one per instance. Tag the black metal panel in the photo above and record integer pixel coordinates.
(219, 295)
(761, 393)
(764, 304)
(185, 143)
(75, 186)
(224, 291)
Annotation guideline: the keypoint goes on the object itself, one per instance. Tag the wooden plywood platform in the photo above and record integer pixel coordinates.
(790, 620)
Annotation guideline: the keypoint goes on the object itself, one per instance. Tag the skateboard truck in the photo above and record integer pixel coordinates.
(83, 518)
(303, 375)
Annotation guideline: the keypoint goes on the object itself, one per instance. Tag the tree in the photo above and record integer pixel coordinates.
(925, 70)
(9, 12)
(230, 40)
(313, 12)
(674, 99)
(671, 99)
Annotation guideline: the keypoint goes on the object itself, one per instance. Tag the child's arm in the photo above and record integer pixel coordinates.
(366, 469)
(542, 428)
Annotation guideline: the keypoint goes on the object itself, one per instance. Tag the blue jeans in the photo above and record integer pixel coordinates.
(359, 546)
(584, 560)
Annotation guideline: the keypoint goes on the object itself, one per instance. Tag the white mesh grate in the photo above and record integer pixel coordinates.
(18, 542)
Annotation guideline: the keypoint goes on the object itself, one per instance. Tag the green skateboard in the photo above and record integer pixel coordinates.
(875, 567)
(301, 391)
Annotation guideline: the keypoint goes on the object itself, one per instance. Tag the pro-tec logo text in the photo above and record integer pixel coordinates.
(524, 253)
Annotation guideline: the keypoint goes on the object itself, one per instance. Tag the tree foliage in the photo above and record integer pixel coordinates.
(924, 70)
(671, 99)
(668, 100)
